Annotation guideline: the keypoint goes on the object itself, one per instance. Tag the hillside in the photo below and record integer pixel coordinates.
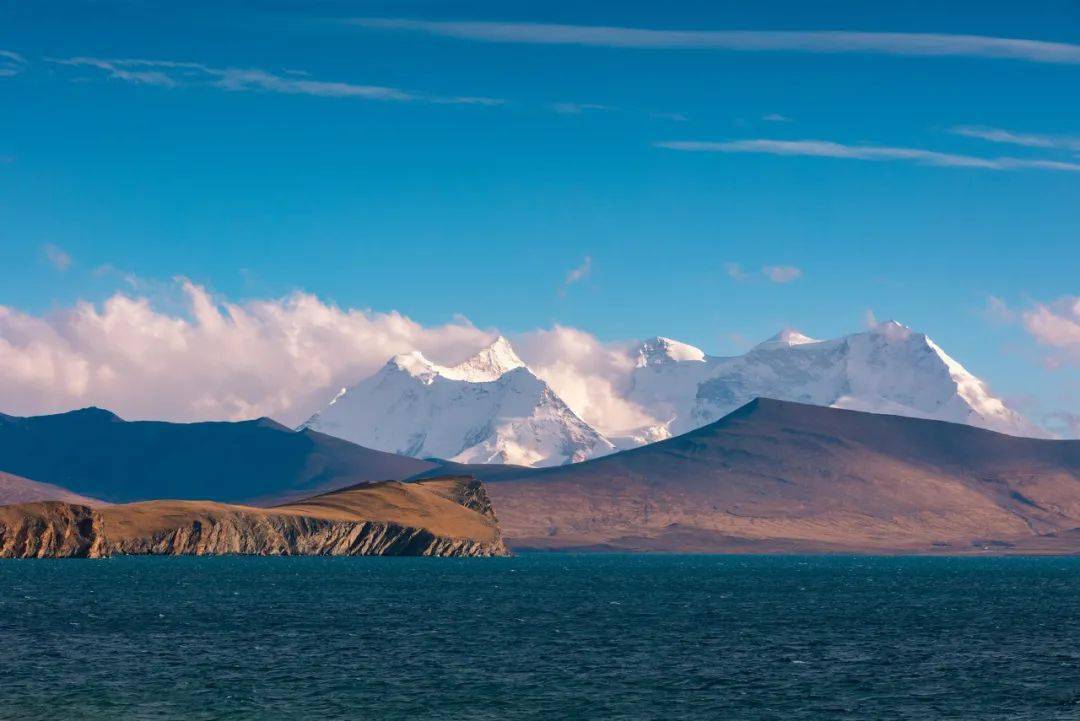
(785, 476)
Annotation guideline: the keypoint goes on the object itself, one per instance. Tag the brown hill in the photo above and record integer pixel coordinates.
(778, 476)
(440, 517)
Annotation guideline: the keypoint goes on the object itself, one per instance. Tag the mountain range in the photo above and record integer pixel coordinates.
(770, 476)
(493, 408)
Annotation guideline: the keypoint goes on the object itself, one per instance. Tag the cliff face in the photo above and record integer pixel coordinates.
(437, 518)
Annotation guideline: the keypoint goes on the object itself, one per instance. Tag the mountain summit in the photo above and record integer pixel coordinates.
(888, 369)
(489, 409)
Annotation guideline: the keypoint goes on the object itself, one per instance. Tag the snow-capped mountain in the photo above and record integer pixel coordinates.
(493, 409)
(489, 409)
(889, 369)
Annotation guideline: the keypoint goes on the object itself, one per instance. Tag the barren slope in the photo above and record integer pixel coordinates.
(786, 476)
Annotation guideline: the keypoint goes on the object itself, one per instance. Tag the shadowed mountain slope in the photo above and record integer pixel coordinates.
(16, 489)
(95, 453)
(775, 475)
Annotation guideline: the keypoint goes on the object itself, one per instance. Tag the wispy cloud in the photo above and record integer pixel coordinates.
(825, 41)
(782, 273)
(772, 273)
(1030, 140)
(675, 117)
(57, 257)
(11, 63)
(577, 108)
(736, 272)
(998, 310)
(776, 118)
(579, 273)
(829, 149)
(576, 275)
(167, 73)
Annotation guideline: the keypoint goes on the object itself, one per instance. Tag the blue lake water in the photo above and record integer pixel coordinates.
(541, 637)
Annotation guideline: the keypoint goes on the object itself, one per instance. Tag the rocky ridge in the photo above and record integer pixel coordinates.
(442, 517)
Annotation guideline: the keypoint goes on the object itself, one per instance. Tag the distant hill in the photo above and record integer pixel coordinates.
(781, 476)
(95, 453)
(16, 489)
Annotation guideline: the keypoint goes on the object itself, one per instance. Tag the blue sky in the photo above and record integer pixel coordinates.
(465, 158)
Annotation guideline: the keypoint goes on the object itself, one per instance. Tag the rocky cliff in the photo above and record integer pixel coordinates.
(441, 517)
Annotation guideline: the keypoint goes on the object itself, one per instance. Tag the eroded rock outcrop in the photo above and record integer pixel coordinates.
(441, 517)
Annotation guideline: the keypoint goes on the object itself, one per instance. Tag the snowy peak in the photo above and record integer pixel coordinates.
(487, 365)
(659, 351)
(413, 364)
(489, 409)
(785, 339)
(889, 368)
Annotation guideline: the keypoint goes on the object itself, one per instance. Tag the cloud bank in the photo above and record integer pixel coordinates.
(825, 41)
(283, 358)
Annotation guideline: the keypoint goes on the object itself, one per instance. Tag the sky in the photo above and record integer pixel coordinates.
(192, 194)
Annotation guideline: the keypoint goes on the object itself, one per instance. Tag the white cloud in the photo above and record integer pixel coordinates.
(825, 41)
(282, 358)
(870, 320)
(57, 257)
(781, 273)
(591, 376)
(11, 63)
(776, 118)
(1030, 140)
(579, 273)
(167, 73)
(1056, 325)
(829, 149)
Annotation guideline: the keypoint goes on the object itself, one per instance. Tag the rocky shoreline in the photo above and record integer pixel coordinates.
(446, 517)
